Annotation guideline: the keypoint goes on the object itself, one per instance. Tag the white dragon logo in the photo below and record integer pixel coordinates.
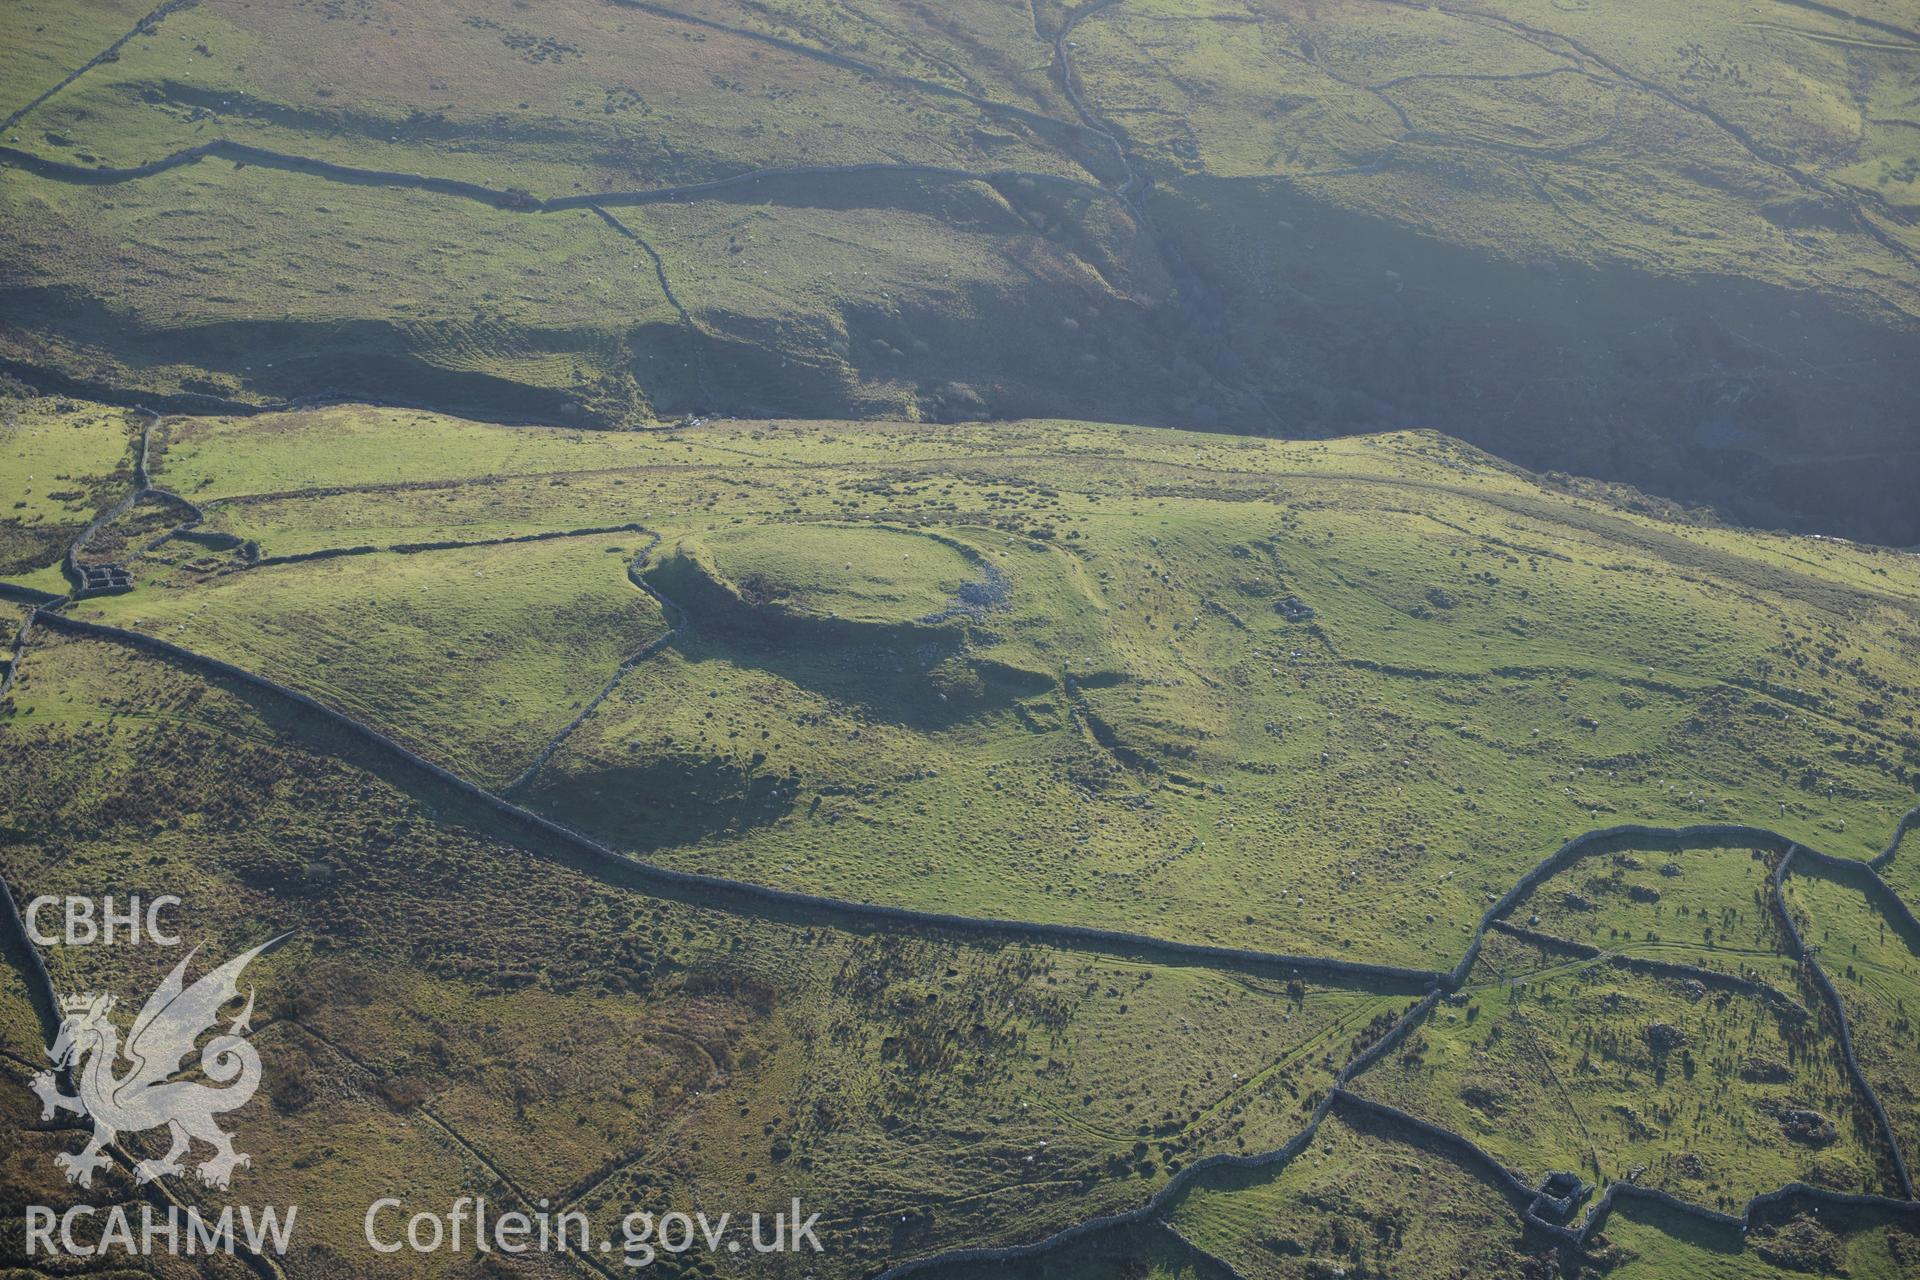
(145, 1097)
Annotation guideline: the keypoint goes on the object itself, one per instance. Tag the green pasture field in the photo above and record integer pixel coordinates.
(363, 261)
(1368, 1200)
(1686, 142)
(1876, 969)
(1255, 477)
(551, 102)
(1603, 1072)
(41, 42)
(60, 462)
(1650, 1241)
(1357, 1198)
(886, 576)
(1147, 1253)
(472, 657)
(1322, 698)
(1706, 907)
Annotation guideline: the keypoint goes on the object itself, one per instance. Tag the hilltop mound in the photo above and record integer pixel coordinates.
(1191, 830)
(862, 575)
(1106, 673)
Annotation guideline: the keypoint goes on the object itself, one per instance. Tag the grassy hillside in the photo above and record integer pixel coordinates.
(1360, 1200)
(1672, 248)
(1875, 963)
(1318, 702)
(473, 657)
(1109, 667)
(60, 462)
(468, 1004)
(1387, 647)
(1160, 639)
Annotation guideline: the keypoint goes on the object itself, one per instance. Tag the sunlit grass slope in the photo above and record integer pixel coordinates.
(60, 463)
(474, 658)
(1231, 691)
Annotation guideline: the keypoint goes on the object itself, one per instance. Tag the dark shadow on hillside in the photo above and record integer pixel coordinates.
(912, 674)
(1778, 407)
(1244, 305)
(669, 800)
(1686, 1227)
(250, 363)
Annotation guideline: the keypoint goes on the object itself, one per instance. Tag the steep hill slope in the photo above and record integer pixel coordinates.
(1676, 249)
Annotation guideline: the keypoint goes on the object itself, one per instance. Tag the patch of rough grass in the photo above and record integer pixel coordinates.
(472, 657)
(1712, 1095)
(1361, 1197)
(1650, 1242)
(1874, 962)
(61, 461)
(605, 1047)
